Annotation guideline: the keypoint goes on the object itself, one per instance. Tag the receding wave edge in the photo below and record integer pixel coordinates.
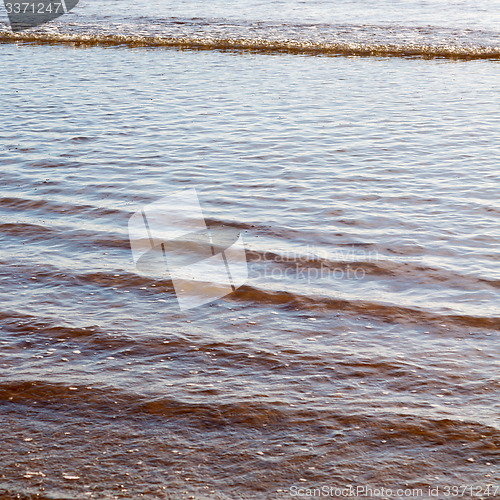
(259, 45)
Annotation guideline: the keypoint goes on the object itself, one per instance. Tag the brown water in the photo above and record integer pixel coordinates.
(363, 349)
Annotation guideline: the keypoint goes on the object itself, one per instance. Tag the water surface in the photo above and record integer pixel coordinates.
(363, 348)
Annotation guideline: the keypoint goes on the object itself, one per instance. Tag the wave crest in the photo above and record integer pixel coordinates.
(260, 45)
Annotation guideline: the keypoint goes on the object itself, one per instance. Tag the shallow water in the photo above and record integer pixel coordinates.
(462, 29)
(363, 348)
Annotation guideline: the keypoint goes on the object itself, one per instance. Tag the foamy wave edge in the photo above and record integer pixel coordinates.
(259, 45)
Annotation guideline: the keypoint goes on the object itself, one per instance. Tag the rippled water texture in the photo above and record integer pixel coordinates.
(363, 348)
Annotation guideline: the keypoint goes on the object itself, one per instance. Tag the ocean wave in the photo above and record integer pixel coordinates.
(390, 313)
(107, 401)
(260, 45)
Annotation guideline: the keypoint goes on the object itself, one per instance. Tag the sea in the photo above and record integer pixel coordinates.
(355, 148)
